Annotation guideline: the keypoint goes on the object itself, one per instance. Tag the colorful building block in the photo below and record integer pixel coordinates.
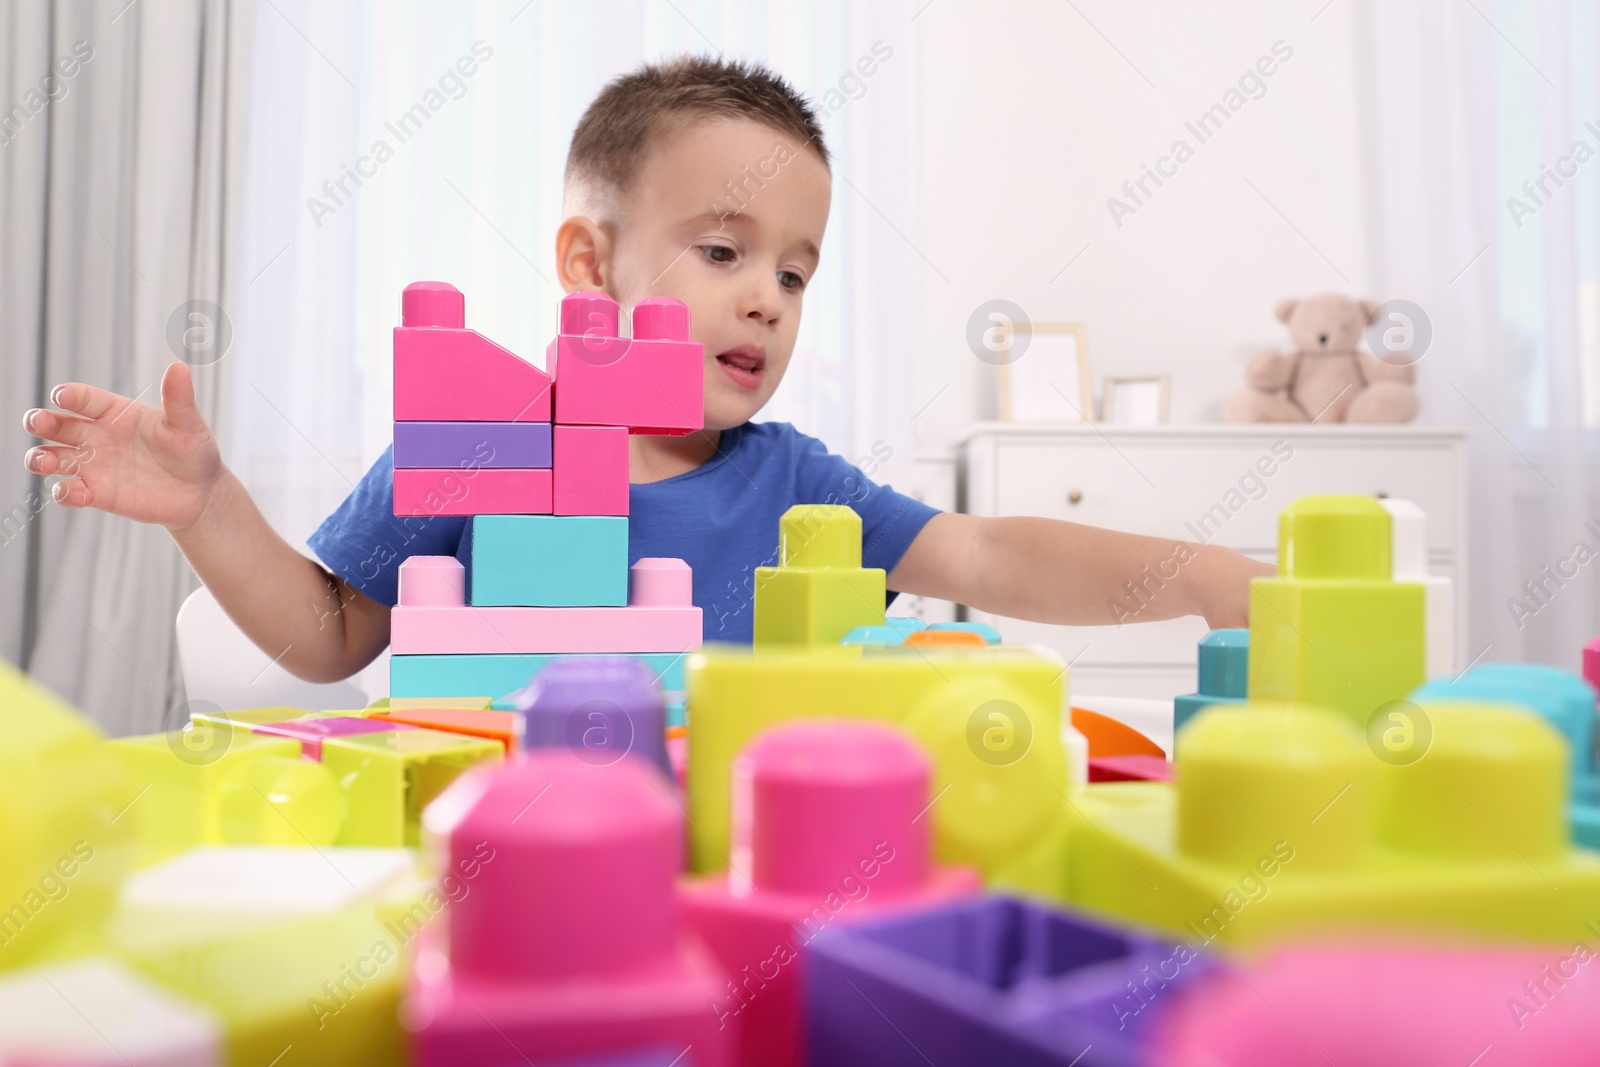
(890, 636)
(819, 591)
(651, 383)
(209, 785)
(445, 372)
(506, 727)
(1333, 628)
(469, 445)
(312, 732)
(423, 703)
(1281, 825)
(1130, 769)
(983, 629)
(992, 981)
(432, 581)
(388, 778)
(218, 885)
(201, 717)
(477, 629)
(62, 824)
(1394, 1006)
(487, 491)
(549, 561)
(591, 470)
(989, 718)
(657, 582)
(1224, 675)
(951, 639)
(96, 1012)
(904, 623)
(827, 831)
(1410, 526)
(1591, 663)
(601, 708)
(509, 967)
(1106, 736)
(445, 676)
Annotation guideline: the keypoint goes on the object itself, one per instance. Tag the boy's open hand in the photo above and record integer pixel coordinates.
(151, 464)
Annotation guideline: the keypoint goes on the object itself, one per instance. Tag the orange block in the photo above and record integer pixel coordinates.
(502, 726)
(945, 639)
(1108, 737)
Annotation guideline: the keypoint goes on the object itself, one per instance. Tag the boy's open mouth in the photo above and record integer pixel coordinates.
(744, 365)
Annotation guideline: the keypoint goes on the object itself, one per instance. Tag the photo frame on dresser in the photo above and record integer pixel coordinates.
(1141, 401)
(1048, 378)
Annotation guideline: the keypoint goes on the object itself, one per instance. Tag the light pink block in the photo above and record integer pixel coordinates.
(468, 630)
(652, 383)
(657, 582)
(444, 372)
(433, 581)
(485, 491)
(591, 470)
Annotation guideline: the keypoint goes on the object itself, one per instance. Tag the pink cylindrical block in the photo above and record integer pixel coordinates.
(575, 865)
(589, 314)
(820, 800)
(655, 582)
(433, 581)
(433, 304)
(1591, 663)
(660, 318)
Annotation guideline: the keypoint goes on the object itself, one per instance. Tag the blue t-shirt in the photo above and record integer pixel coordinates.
(721, 518)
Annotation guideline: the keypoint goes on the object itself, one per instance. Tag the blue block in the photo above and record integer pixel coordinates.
(904, 623)
(993, 980)
(550, 561)
(497, 674)
(982, 629)
(1224, 675)
(893, 636)
(677, 714)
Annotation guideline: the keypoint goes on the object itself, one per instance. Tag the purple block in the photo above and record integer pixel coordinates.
(471, 444)
(311, 732)
(601, 707)
(659, 1056)
(995, 980)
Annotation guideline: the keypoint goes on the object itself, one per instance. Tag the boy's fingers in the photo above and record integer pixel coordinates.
(86, 400)
(177, 399)
(71, 493)
(57, 460)
(54, 426)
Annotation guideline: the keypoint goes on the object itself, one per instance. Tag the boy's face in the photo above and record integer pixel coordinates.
(728, 217)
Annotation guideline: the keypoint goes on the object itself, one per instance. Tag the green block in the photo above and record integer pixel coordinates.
(1334, 629)
(819, 591)
(388, 778)
(549, 561)
(499, 674)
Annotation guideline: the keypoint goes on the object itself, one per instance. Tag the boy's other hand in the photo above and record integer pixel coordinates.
(151, 464)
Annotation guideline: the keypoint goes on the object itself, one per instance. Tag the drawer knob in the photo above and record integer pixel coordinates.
(1381, 495)
(1075, 497)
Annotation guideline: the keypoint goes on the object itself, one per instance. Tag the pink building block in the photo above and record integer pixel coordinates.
(1591, 663)
(653, 383)
(485, 491)
(466, 630)
(570, 941)
(312, 732)
(433, 581)
(1395, 1007)
(591, 470)
(444, 372)
(828, 828)
(657, 582)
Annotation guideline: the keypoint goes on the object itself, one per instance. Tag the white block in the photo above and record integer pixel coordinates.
(1410, 552)
(95, 1012)
(263, 881)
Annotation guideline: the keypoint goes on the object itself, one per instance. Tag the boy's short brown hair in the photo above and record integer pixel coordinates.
(621, 125)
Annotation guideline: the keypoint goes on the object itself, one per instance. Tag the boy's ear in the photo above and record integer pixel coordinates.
(583, 254)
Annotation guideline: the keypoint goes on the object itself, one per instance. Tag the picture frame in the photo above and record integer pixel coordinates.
(1136, 401)
(1049, 381)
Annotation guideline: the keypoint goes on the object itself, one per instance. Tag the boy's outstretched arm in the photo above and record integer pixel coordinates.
(1050, 571)
(161, 465)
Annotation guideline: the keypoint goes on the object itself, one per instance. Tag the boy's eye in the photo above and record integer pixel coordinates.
(718, 253)
(790, 280)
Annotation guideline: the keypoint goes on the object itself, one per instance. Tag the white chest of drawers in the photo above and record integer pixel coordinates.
(1200, 483)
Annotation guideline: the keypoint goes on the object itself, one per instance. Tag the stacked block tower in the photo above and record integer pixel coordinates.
(540, 463)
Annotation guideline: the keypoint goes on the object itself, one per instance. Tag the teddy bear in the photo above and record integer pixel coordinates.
(1327, 378)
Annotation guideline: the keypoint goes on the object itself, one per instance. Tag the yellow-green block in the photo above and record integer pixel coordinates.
(819, 591)
(388, 778)
(1284, 823)
(63, 850)
(1333, 629)
(211, 784)
(323, 988)
(989, 717)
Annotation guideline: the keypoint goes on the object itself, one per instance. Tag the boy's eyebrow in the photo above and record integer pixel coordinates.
(721, 218)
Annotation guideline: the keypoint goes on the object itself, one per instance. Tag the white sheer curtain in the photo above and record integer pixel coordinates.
(1467, 103)
(472, 195)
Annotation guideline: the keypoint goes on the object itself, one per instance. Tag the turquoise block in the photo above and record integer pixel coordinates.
(904, 624)
(676, 715)
(1224, 675)
(982, 629)
(894, 636)
(1188, 706)
(558, 561)
(497, 674)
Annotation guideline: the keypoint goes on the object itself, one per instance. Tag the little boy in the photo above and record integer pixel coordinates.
(649, 214)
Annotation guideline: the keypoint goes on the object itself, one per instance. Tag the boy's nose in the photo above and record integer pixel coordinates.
(762, 303)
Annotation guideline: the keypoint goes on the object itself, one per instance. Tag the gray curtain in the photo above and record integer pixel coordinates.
(116, 121)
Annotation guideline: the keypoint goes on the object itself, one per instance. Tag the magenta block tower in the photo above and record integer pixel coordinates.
(828, 828)
(540, 463)
(569, 942)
